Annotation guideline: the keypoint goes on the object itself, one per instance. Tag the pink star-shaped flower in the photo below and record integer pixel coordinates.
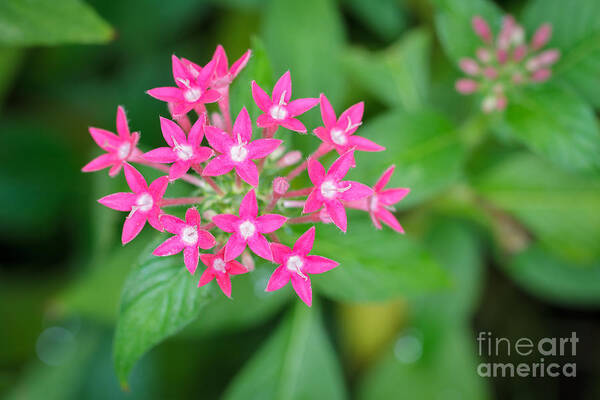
(190, 237)
(381, 202)
(223, 75)
(247, 229)
(329, 188)
(119, 149)
(278, 110)
(183, 151)
(143, 203)
(220, 270)
(239, 152)
(192, 87)
(295, 264)
(339, 133)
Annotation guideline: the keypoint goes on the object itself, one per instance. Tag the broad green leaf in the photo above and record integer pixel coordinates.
(249, 306)
(453, 24)
(374, 265)
(562, 210)
(47, 22)
(423, 145)
(556, 123)
(427, 361)
(555, 280)
(307, 38)
(576, 34)
(399, 75)
(10, 59)
(259, 70)
(158, 300)
(457, 248)
(297, 362)
(386, 18)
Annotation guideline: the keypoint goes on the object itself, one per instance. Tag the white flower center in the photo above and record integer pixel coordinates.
(219, 265)
(338, 136)
(238, 153)
(192, 95)
(329, 189)
(278, 112)
(184, 152)
(124, 150)
(294, 264)
(189, 235)
(247, 229)
(144, 202)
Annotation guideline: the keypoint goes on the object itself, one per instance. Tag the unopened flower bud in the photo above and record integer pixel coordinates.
(208, 215)
(501, 102)
(280, 185)
(490, 73)
(482, 29)
(541, 36)
(484, 55)
(217, 121)
(501, 55)
(248, 261)
(290, 158)
(277, 153)
(469, 66)
(541, 75)
(489, 104)
(519, 53)
(517, 36)
(548, 57)
(518, 78)
(466, 86)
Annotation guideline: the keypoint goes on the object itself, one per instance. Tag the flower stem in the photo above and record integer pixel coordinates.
(209, 180)
(225, 111)
(320, 152)
(179, 201)
(314, 217)
(299, 192)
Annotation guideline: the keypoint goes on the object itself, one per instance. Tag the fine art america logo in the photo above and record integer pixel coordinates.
(492, 347)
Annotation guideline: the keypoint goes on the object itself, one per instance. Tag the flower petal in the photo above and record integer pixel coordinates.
(300, 106)
(303, 289)
(133, 225)
(178, 169)
(283, 85)
(243, 125)
(197, 132)
(171, 131)
(392, 196)
(260, 246)
(205, 239)
(208, 259)
(169, 247)
(107, 141)
(278, 279)
(98, 163)
(239, 64)
(135, 180)
(340, 167)
(261, 148)
(190, 258)
(218, 166)
(218, 140)
(318, 264)
(261, 98)
(337, 213)
(161, 155)
(169, 94)
(327, 112)
(389, 219)
(363, 144)
(207, 276)
(384, 179)
(248, 172)
(210, 96)
(224, 282)
(270, 222)
(293, 124)
(280, 252)
(234, 247)
(304, 244)
(265, 121)
(172, 224)
(192, 216)
(122, 127)
(355, 113)
(357, 191)
(313, 202)
(222, 64)
(248, 206)
(226, 222)
(316, 171)
(122, 201)
(157, 189)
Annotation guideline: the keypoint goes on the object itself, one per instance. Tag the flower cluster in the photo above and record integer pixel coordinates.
(505, 62)
(241, 193)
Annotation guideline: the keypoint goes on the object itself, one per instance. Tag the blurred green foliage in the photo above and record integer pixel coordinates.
(515, 196)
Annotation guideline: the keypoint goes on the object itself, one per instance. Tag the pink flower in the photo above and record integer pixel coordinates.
(183, 151)
(189, 238)
(239, 152)
(143, 203)
(247, 229)
(221, 270)
(192, 87)
(119, 149)
(295, 264)
(223, 76)
(339, 133)
(278, 110)
(330, 190)
(381, 201)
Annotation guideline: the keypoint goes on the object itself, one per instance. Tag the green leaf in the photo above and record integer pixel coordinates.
(453, 24)
(297, 362)
(427, 361)
(385, 18)
(423, 145)
(258, 69)
(556, 280)
(307, 38)
(158, 300)
(556, 123)
(10, 60)
(47, 22)
(399, 75)
(457, 248)
(561, 209)
(374, 265)
(577, 35)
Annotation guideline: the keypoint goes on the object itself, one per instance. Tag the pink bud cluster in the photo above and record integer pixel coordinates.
(505, 62)
(231, 209)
